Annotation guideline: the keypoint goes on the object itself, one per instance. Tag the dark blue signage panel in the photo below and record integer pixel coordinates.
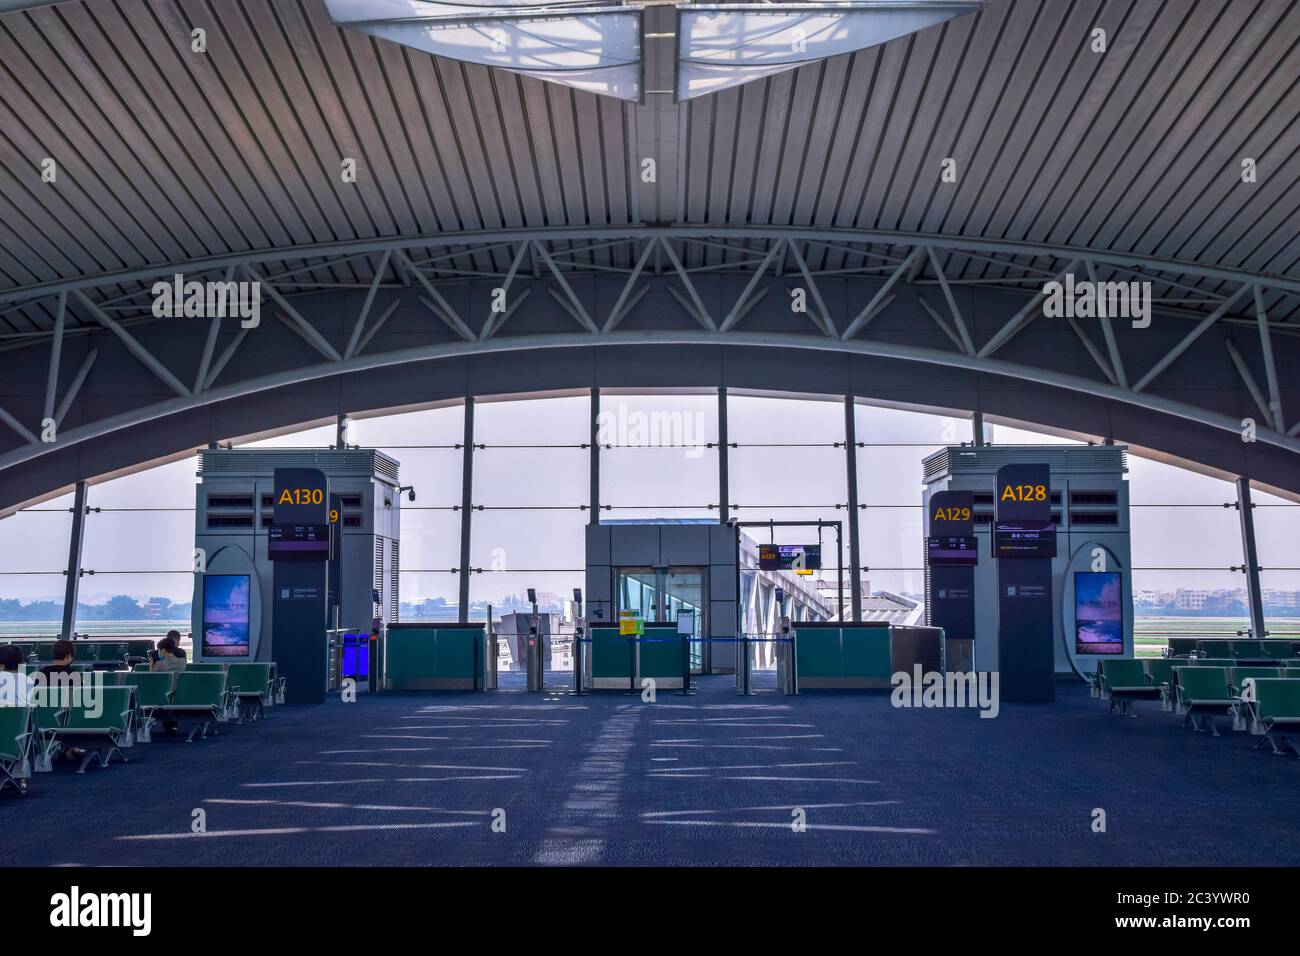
(1024, 542)
(1023, 493)
(302, 496)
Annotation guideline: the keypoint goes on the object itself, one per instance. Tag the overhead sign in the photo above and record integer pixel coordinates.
(951, 513)
(1023, 493)
(799, 558)
(302, 497)
(300, 523)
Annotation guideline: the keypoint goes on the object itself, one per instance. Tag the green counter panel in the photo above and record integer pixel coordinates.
(433, 658)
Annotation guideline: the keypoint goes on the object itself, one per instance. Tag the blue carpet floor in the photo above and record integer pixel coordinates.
(709, 779)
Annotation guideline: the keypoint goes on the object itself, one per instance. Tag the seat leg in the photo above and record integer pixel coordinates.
(91, 756)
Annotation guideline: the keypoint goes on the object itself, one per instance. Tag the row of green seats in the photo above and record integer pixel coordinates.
(1236, 649)
(91, 652)
(254, 686)
(125, 710)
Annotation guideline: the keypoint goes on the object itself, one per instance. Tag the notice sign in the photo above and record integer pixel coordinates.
(1023, 541)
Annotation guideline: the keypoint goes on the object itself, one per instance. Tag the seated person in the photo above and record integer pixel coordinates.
(60, 673)
(15, 684)
(169, 658)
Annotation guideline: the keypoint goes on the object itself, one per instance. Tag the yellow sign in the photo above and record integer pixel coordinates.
(1024, 493)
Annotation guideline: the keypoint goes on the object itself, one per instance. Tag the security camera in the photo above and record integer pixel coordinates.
(410, 491)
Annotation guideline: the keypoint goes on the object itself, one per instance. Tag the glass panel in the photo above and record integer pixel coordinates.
(638, 591)
(1281, 603)
(892, 474)
(877, 425)
(428, 595)
(1187, 603)
(31, 605)
(431, 426)
(140, 540)
(563, 420)
(892, 539)
(135, 605)
(36, 540)
(1008, 435)
(1154, 482)
(430, 539)
(684, 591)
(161, 487)
(524, 540)
(1185, 536)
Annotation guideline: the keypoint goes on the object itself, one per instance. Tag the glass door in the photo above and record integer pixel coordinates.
(657, 594)
(683, 590)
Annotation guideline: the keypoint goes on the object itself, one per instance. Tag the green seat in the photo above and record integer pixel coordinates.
(1214, 648)
(1246, 650)
(140, 667)
(45, 652)
(1123, 681)
(15, 747)
(110, 652)
(1276, 707)
(1237, 675)
(1161, 669)
(201, 696)
(153, 692)
(109, 723)
(251, 685)
(1272, 647)
(138, 650)
(1214, 662)
(204, 666)
(1203, 693)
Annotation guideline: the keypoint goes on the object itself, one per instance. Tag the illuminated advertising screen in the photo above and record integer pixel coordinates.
(952, 549)
(225, 615)
(1098, 612)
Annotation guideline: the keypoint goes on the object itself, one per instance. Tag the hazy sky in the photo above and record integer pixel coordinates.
(532, 476)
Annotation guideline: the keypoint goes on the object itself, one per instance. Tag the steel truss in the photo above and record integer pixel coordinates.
(744, 265)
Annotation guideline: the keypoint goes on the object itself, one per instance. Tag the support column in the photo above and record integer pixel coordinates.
(724, 480)
(851, 460)
(75, 539)
(1255, 595)
(466, 508)
(341, 433)
(594, 454)
(977, 429)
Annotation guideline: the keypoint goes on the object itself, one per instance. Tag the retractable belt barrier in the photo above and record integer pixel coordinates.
(787, 671)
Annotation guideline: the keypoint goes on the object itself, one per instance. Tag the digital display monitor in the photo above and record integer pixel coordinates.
(800, 558)
(1024, 540)
(225, 615)
(1098, 612)
(952, 549)
(298, 542)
